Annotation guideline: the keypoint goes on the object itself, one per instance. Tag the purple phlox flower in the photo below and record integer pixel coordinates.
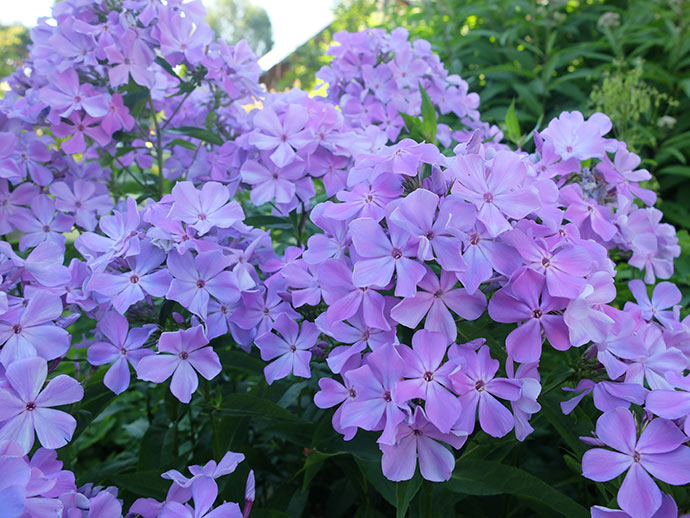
(181, 37)
(668, 509)
(475, 380)
(438, 235)
(656, 362)
(549, 163)
(622, 175)
(378, 79)
(623, 342)
(564, 265)
(219, 318)
(365, 199)
(333, 242)
(105, 33)
(333, 393)
(84, 199)
(130, 57)
(204, 209)
(434, 300)
(259, 309)
(281, 138)
(374, 407)
(275, 263)
(8, 167)
(497, 192)
(290, 350)
(123, 346)
(607, 395)
(418, 439)
(271, 182)
(379, 256)
(196, 279)
(331, 169)
(25, 405)
(77, 48)
(665, 295)
(572, 136)
(16, 475)
(181, 355)
(303, 282)
(127, 288)
(180, 491)
(356, 334)
(407, 69)
(584, 315)
(42, 224)
(672, 404)
(122, 238)
(344, 298)
(118, 116)
(167, 234)
(428, 379)
(530, 388)
(204, 492)
(29, 330)
(79, 127)
(65, 95)
(30, 159)
(43, 264)
(224, 162)
(404, 158)
(48, 478)
(581, 210)
(527, 301)
(245, 271)
(11, 202)
(659, 452)
(483, 255)
(147, 10)
(654, 244)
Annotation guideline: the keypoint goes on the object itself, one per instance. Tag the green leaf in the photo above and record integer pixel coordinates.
(429, 120)
(96, 398)
(269, 222)
(512, 124)
(486, 478)
(248, 405)
(685, 85)
(167, 67)
(143, 483)
(414, 127)
(680, 170)
(563, 424)
(183, 143)
(198, 133)
(404, 493)
(371, 469)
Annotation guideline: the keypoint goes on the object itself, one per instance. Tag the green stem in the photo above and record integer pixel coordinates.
(177, 109)
(159, 146)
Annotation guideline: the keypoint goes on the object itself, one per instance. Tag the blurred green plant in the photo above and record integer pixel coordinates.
(234, 20)
(13, 42)
(632, 104)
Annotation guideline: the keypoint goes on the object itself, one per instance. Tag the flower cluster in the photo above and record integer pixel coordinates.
(37, 486)
(141, 164)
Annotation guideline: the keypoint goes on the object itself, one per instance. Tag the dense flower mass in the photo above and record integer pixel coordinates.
(141, 164)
